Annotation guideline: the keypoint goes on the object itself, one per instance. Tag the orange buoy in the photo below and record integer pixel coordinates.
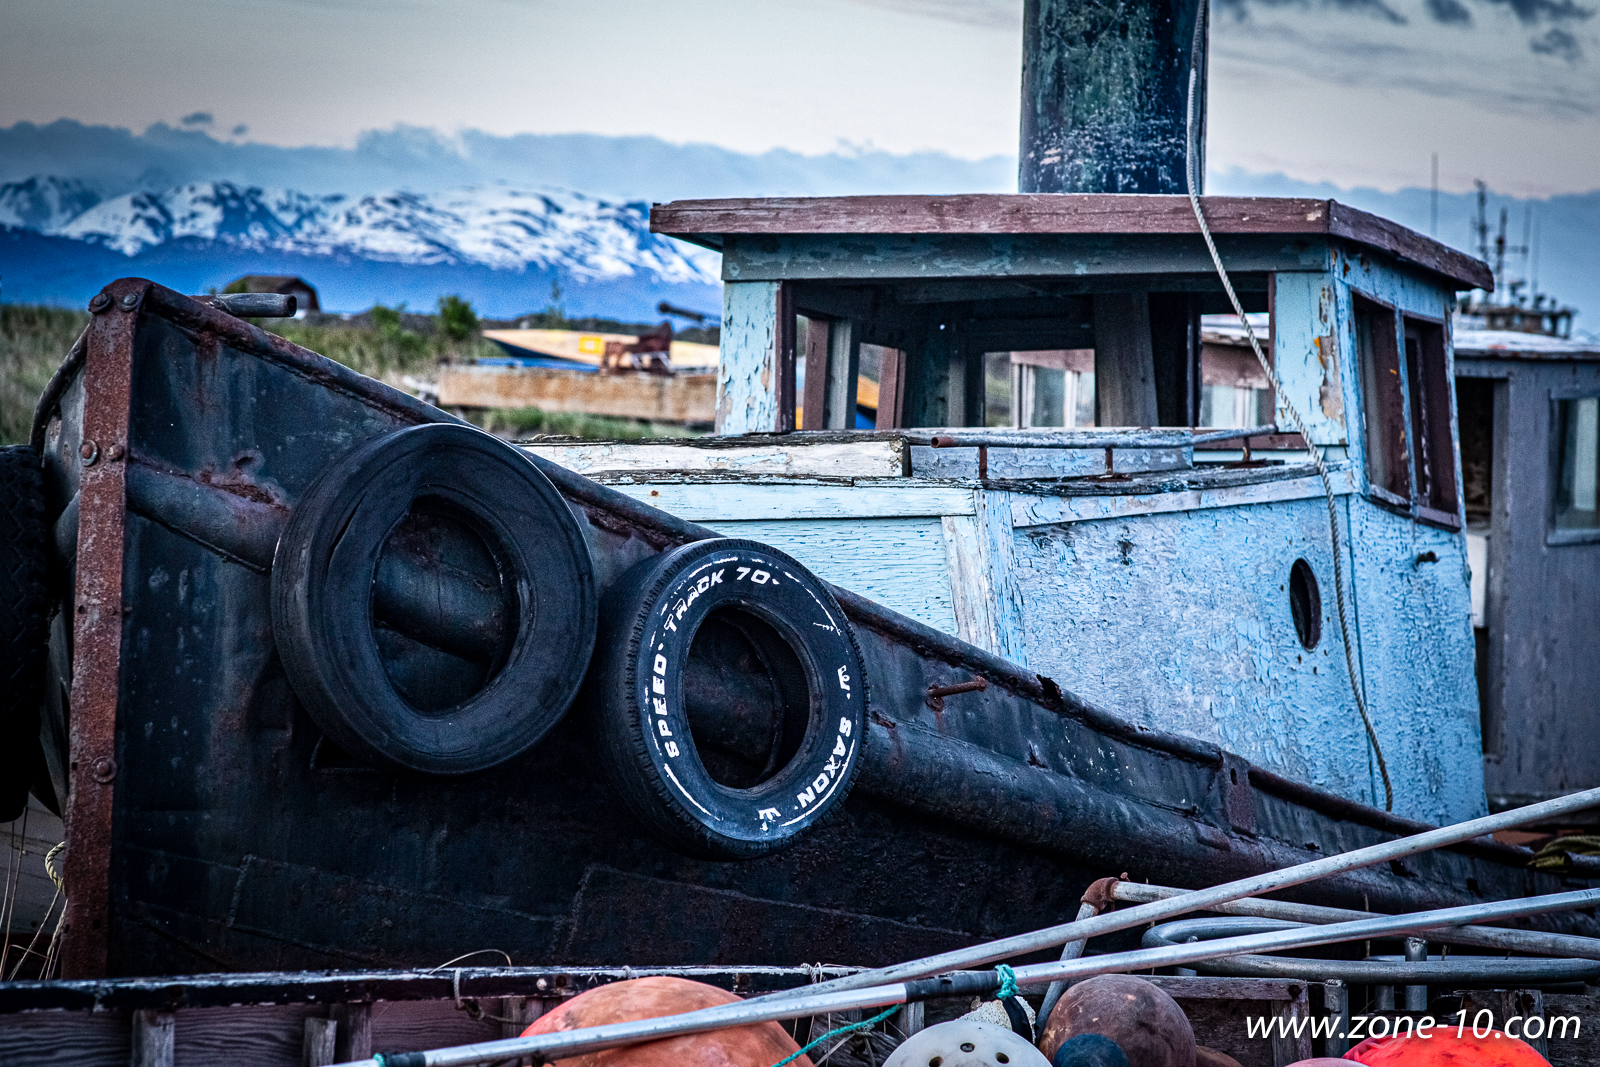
(1443, 1048)
(755, 1045)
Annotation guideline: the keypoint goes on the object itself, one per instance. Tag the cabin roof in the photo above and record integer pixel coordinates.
(1513, 344)
(707, 222)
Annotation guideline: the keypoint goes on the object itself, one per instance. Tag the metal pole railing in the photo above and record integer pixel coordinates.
(1203, 899)
(561, 1044)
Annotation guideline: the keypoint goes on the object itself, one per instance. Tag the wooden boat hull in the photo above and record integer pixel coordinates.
(212, 829)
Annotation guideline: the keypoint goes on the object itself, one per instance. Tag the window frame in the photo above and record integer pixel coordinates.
(1436, 387)
(1421, 388)
(1554, 535)
(1387, 404)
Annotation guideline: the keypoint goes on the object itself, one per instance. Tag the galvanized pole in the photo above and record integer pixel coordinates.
(566, 1043)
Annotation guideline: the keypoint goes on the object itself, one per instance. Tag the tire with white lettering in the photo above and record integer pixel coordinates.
(726, 696)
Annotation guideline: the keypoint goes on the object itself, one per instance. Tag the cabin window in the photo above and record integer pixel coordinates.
(1433, 449)
(1052, 387)
(1576, 425)
(1384, 402)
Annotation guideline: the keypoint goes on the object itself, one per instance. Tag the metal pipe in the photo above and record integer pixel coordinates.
(1384, 972)
(1417, 952)
(1070, 951)
(1204, 899)
(1534, 942)
(566, 1043)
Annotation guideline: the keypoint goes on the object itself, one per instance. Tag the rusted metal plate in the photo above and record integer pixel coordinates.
(97, 624)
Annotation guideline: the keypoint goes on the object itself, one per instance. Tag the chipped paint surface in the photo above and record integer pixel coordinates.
(746, 391)
(900, 563)
(1181, 621)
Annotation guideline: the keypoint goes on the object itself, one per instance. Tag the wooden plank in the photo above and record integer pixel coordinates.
(67, 1038)
(354, 1036)
(746, 392)
(891, 390)
(1044, 511)
(734, 501)
(1124, 361)
(880, 458)
(1098, 262)
(844, 368)
(813, 410)
(658, 398)
(317, 1050)
(706, 220)
(153, 1033)
(785, 342)
(1045, 463)
(1206, 988)
(1287, 1047)
(899, 563)
(407, 1026)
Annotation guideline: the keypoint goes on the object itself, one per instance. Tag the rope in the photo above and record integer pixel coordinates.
(864, 1024)
(1008, 983)
(1288, 406)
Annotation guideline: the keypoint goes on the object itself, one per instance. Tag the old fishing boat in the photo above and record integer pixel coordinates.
(333, 680)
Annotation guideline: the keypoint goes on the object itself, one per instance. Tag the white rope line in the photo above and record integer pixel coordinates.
(1286, 403)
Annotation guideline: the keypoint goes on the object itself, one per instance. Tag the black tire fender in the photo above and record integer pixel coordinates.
(24, 623)
(368, 681)
(726, 698)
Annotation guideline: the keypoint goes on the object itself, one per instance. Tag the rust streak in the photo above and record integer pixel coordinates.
(97, 631)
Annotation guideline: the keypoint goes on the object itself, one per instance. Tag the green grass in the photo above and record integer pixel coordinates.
(33, 342)
(384, 343)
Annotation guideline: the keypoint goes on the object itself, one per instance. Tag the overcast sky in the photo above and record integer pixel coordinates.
(1356, 92)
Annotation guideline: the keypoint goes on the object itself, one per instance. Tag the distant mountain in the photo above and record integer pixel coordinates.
(114, 161)
(502, 247)
(419, 242)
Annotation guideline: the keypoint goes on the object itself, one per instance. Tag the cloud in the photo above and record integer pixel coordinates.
(1558, 43)
(1450, 12)
(198, 118)
(1531, 12)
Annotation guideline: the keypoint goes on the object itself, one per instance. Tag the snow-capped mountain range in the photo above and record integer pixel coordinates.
(497, 226)
(584, 243)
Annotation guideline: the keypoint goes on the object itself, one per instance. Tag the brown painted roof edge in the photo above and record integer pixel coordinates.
(703, 221)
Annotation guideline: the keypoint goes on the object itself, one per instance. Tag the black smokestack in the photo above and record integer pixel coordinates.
(1105, 87)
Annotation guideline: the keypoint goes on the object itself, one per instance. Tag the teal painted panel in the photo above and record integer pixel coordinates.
(900, 563)
(768, 257)
(1182, 622)
(1415, 616)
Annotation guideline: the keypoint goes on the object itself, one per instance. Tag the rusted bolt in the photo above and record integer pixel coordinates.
(104, 769)
(937, 693)
(130, 301)
(100, 302)
(88, 452)
(114, 453)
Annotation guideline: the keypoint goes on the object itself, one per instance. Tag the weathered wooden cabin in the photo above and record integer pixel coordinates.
(1192, 596)
(1530, 442)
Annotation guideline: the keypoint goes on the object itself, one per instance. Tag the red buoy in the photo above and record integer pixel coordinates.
(755, 1045)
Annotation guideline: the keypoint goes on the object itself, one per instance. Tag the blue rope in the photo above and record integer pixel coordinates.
(864, 1024)
(1008, 983)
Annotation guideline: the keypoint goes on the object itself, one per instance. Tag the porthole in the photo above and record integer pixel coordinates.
(1305, 604)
